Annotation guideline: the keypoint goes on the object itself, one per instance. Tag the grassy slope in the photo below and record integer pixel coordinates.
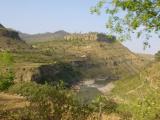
(139, 94)
(10, 41)
(128, 92)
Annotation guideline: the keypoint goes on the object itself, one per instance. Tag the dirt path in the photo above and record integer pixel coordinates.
(8, 101)
(133, 90)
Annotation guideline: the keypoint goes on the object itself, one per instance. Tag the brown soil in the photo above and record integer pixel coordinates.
(9, 102)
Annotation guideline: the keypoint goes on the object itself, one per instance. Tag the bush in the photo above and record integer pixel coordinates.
(6, 80)
(5, 84)
(6, 59)
(57, 103)
(49, 103)
(6, 75)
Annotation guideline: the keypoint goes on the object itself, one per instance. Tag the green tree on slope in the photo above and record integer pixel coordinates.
(6, 59)
(6, 73)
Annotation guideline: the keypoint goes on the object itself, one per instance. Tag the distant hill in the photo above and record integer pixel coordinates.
(43, 37)
(10, 40)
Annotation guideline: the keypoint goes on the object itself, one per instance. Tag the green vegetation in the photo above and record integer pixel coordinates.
(6, 82)
(6, 72)
(57, 103)
(64, 71)
(141, 16)
(58, 65)
(139, 95)
(6, 59)
(92, 58)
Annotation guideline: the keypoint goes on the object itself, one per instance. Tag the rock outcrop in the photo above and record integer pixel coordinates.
(93, 36)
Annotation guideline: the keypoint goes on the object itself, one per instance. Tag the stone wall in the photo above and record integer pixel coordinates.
(78, 36)
(90, 36)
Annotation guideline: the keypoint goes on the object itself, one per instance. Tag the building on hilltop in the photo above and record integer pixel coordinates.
(93, 36)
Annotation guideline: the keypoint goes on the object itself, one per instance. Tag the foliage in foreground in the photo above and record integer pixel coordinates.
(146, 108)
(131, 16)
(57, 103)
(6, 73)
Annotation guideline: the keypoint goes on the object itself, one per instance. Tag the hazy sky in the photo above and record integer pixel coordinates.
(38, 16)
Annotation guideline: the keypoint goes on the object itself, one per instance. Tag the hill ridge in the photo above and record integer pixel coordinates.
(43, 37)
(10, 40)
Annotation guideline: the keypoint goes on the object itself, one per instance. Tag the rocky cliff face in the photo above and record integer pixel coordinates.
(25, 73)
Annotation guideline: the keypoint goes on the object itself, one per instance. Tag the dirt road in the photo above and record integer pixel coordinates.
(8, 101)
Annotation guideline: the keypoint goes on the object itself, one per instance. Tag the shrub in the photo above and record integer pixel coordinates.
(5, 84)
(57, 103)
(6, 74)
(6, 59)
(49, 103)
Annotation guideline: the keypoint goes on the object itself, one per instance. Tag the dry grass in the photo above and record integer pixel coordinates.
(9, 102)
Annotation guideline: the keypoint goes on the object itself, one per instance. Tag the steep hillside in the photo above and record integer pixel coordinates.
(139, 94)
(10, 40)
(59, 35)
(90, 56)
(144, 81)
(95, 58)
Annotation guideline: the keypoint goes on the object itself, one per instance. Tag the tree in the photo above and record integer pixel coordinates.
(157, 56)
(6, 72)
(131, 16)
(6, 59)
